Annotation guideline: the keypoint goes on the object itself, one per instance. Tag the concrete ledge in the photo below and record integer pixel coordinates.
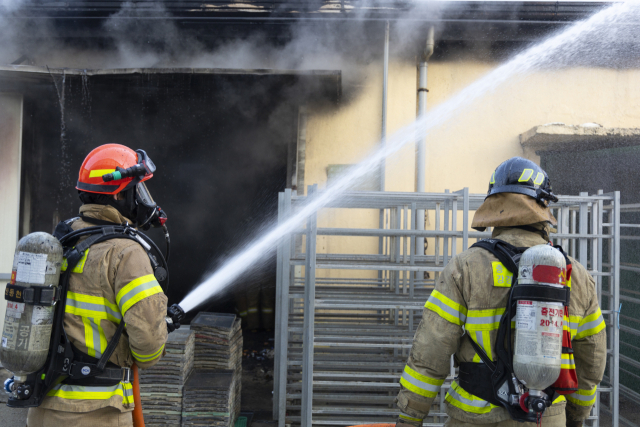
(589, 136)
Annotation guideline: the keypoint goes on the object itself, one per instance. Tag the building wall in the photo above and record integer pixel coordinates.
(10, 155)
(465, 150)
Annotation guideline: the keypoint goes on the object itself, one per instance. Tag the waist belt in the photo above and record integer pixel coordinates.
(84, 371)
(109, 377)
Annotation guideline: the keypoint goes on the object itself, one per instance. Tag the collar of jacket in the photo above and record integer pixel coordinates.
(523, 238)
(104, 213)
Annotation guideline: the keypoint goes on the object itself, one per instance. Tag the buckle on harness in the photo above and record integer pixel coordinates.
(126, 375)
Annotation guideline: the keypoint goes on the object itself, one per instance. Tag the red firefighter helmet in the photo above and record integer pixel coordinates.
(112, 168)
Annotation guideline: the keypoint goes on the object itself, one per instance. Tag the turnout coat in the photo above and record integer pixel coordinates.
(471, 295)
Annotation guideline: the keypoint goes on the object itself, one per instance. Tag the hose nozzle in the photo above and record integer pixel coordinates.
(175, 314)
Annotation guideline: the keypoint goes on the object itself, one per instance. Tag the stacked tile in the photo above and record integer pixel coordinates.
(209, 399)
(218, 341)
(161, 386)
(218, 345)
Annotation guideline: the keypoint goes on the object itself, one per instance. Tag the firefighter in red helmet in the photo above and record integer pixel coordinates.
(114, 282)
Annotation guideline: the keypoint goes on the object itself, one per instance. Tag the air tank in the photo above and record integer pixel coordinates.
(537, 357)
(27, 328)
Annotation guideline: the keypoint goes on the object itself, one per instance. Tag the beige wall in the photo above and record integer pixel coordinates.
(465, 151)
(10, 155)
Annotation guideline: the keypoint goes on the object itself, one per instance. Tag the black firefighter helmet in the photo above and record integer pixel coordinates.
(522, 176)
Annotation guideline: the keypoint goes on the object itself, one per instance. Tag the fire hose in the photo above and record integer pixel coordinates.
(138, 418)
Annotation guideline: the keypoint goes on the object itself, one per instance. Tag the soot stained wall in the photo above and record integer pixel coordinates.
(219, 142)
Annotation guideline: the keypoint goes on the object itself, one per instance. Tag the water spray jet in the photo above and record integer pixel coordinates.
(544, 54)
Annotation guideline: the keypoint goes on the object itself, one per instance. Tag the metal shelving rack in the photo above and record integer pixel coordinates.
(345, 322)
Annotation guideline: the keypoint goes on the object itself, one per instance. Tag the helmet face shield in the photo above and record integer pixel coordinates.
(145, 205)
(143, 196)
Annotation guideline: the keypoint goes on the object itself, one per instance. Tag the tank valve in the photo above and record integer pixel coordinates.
(8, 385)
(23, 391)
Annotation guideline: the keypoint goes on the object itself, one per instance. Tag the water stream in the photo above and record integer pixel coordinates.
(567, 47)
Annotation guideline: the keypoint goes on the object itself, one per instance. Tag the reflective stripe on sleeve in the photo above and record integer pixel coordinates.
(92, 306)
(459, 398)
(590, 325)
(420, 384)
(446, 308)
(76, 392)
(137, 290)
(147, 357)
(571, 324)
(567, 361)
(408, 418)
(583, 397)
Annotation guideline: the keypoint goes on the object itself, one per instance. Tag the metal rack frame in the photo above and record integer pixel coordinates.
(342, 341)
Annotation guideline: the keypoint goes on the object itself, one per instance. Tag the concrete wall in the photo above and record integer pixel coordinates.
(465, 150)
(10, 165)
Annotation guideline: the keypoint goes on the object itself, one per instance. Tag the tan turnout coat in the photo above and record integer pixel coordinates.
(471, 295)
(113, 282)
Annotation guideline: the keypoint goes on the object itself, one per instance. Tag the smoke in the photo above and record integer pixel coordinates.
(145, 35)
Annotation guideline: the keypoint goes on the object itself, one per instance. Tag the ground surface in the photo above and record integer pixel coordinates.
(257, 388)
(257, 383)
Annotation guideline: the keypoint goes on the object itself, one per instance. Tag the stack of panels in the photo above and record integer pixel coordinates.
(209, 399)
(161, 386)
(219, 346)
(218, 341)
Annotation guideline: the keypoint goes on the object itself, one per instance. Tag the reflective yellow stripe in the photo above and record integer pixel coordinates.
(484, 320)
(94, 337)
(99, 172)
(137, 290)
(526, 175)
(459, 398)
(147, 357)
(92, 306)
(486, 343)
(501, 276)
(571, 324)
(79, 268)
(539, 178)
(590, 325)
(559, 399)
(447, 308)
(407, 417)
(419, 383)
(493, 178)
(103, 338)
(74, 392)
(583, 397)
(567, 361)
(88, 336)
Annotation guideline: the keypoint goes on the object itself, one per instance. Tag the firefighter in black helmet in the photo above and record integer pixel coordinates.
(470, 298)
